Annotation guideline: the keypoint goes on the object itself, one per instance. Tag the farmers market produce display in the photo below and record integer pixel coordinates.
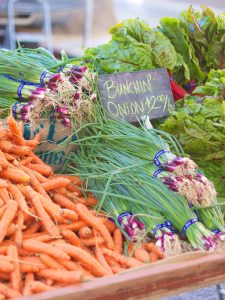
(126, 196)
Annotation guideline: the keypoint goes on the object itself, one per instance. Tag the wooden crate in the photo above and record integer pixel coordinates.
(171, 276)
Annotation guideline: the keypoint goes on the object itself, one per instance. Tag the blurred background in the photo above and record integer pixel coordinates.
(73, 24)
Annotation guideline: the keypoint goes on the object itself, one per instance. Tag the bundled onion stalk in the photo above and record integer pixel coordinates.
(130, 152)
(134, 219)
(25, 79)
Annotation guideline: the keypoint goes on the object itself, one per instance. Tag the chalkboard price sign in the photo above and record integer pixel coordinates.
(130, 96)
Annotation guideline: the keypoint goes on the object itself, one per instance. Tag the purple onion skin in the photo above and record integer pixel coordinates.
(130, 225)
(179, 161)
(169, 168)
(55, 77)
(63, 110)
(80, 69)
(76, 96)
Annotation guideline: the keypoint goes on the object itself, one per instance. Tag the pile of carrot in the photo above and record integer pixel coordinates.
(49, 234)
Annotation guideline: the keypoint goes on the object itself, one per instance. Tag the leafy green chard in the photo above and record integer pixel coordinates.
(199, 26)
(140, 47)
(173, 29)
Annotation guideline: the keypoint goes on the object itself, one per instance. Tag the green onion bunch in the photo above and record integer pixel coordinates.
(119, 155)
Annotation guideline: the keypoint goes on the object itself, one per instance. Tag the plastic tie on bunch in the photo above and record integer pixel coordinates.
(157, 156)
(123, 215)
(188, 224)
(216, 231)
(60, 69)
(157, 172)
(14, 108)
(42, 77)
(25, 82)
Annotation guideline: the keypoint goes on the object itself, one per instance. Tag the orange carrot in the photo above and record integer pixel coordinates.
(108, 224)
(8, 292)
(13, 228)
(18, 234)
(6, 146)
(117, 270)
(3, 161)
(85, 259)
(74, 189)
(3, 184)
(45, 219)
(32, 228)
(2, 209)
(15, 175)
(3, 132)
(141, 255)
(130, 262)
(7, 218)
(41, 168)
(74, 226)
(100, 257)
(36, 159)
(118, 241)
(55, 183)
(93, 221)
(37, 175)
(6, 266)
(28, 268)
(62, 276)
(26, 161)
(17, 134)
(34, 182)
(20, 150)
(64, 202)
(15, 275)
(71, 237)
(92, 241)
(35, 141)
(9, 157)
(28, 280)
(4, 276)
(31, 264)
(36, 246)
(69, 214)
(150, 246)
(74, 179)
(52, 209)
(50, 262)
(39, 287)
(85, 232)
(18, 197)
(158, 252)
(4, 195)
(153, 257)
(70, 265)
(1, 202)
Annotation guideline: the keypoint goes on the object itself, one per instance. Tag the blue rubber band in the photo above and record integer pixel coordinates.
(19, 91)
(197, 216)
(42, 77)
(121, 216)
(60, 69)
(157, 172)
(160, 226)
(188, 224)
(11, 78)
(14, 107)
(21, 81)
(158, 154)
(216, 231)
(168, 224)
